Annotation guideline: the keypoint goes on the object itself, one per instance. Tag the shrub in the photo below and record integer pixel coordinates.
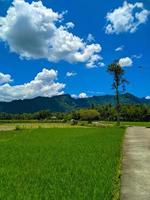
(18, 128)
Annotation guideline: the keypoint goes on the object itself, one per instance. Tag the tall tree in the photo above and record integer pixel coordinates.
(117, 72)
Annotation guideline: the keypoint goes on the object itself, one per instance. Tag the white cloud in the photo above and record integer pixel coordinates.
(93, 61)
(70, 25)
(34, 31)
(137, 56)
(125, 62)
(69, 74)
(82, 95)
(5, 78)
(44, 84)
(120, 48)
(148, 97)
(101, 64)
(75, 96)
(90, 38)
(126, 18)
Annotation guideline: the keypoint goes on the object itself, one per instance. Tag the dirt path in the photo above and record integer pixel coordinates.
(135, 182)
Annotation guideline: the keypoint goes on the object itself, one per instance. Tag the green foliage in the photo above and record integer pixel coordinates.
(106, 112)
(86, 115)
(117, 72)
(127, 113)
(118, 76)
(69, 164)
(17, 128)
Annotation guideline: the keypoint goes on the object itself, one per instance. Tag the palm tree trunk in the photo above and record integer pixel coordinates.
(118, 107)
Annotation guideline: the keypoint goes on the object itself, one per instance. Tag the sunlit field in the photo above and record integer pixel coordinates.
(31, 124)
(145, 124)
(60, 163)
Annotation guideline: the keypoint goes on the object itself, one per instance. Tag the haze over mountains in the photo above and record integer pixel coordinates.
(65, 103)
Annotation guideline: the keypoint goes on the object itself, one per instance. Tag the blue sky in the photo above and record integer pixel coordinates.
(20, 63)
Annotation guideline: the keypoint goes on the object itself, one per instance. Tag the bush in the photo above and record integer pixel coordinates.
(88, 115)
(18, 128)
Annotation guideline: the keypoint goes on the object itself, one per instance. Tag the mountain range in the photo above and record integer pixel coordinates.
(65, 103)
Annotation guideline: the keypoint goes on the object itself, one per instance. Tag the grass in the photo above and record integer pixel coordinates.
(136, 123)
(145, 124)
(30, 125)
(60, 164)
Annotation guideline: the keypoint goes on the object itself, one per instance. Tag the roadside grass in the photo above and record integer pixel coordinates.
(60, 163)
(123, 123)
(136, 123)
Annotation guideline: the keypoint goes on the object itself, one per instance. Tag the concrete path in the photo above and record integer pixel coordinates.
(135, 181)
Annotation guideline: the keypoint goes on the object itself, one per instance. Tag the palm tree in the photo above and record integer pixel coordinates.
(117, 72)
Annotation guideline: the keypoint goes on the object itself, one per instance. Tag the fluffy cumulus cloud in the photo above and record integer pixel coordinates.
(126, 18)
(5, 78)
(82, 95)
(125, 62)
(147, 97)
(34, 31)
(44, 84)
(69, 74)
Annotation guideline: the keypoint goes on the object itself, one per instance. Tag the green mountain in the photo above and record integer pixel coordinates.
(65, 103)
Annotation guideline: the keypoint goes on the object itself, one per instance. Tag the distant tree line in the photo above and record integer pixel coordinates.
(105, 112)
(127, 113)
(41, 115)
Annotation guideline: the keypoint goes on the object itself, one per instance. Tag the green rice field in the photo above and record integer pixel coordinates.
(60, 164)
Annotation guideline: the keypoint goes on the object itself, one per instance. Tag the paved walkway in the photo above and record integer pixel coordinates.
(135, 181)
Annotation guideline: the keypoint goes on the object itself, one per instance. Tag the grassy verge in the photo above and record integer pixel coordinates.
(68, 164)
(146, 124)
